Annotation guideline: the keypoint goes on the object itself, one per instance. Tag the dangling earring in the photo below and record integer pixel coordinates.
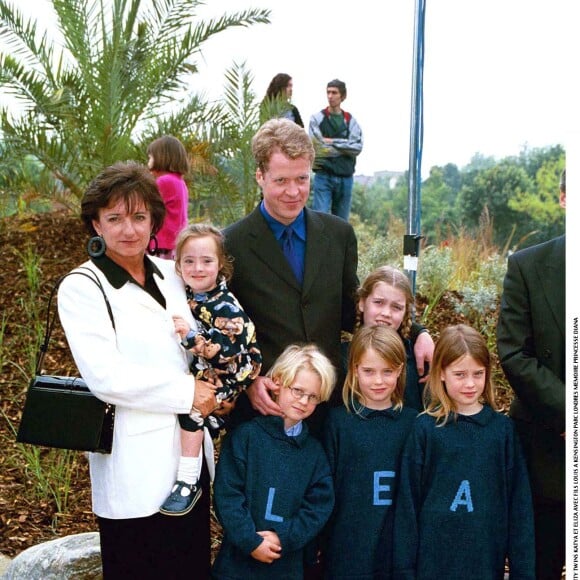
(152, 251)
(96, 247)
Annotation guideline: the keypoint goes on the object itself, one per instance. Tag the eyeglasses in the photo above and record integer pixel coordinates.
(300, 394)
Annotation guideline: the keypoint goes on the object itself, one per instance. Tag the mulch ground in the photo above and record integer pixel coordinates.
(58, 240)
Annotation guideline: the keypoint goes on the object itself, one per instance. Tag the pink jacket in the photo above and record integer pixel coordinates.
(174, 192)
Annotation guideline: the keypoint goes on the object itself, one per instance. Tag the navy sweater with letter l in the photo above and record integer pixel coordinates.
(464, 503)
(364, 450)
(266, 480)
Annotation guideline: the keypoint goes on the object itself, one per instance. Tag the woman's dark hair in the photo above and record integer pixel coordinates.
(130, 182)
(277, 85)
(169, 155)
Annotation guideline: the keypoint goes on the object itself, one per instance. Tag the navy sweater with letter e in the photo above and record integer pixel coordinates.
(364, 450)
(464, 503)
(266, 480)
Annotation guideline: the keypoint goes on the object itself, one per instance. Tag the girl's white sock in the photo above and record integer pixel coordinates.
(189, 469)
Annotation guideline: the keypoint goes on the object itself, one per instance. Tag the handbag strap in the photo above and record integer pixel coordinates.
(50, 320)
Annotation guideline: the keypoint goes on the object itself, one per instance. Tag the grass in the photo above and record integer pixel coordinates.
(48, 471)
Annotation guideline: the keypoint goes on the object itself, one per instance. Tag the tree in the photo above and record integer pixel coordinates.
(438, 202)
(540, 204)
(487, 198)
(532, 160)
(232, 192)
(20, 181)
(378, 203)
(119, 79)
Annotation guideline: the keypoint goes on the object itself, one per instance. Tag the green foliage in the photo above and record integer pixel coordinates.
(374, 203)
(515, 200)
(435, 276)
(49, 471)
(231, 192)
(540, 204)
(490, 192)
(32, 326)
(480, 296)
(20, 181)
(483, 287)
(479, 162)
(438, 203)
(377, 247)
(533, 160)
(86, 105)
(274, 108)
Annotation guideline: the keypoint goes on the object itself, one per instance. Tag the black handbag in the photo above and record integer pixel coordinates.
(60, 411)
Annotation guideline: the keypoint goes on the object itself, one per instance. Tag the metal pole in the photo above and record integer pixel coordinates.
(412, 238)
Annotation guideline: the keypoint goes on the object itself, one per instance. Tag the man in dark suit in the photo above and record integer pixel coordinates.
(306, 297)
(531, 345)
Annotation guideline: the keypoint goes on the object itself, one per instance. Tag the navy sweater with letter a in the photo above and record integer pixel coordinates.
(266, 480)
(364, 450)
(464, 503)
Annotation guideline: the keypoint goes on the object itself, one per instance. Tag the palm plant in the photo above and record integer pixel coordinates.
(232, 192)
(122, 75)
(20, 182)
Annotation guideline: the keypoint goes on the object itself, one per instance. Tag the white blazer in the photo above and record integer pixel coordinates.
(142, 369)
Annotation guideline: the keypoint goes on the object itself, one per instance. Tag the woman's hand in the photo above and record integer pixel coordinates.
(204, 399)
(181, 327)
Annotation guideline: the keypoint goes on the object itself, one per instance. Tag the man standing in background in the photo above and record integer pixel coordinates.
(337, 141)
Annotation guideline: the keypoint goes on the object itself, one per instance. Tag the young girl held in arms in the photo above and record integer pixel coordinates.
(364, 440)
(464, 502)
(273, 488)
(223, 345)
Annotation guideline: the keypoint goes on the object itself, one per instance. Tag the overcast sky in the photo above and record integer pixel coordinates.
(495, 72)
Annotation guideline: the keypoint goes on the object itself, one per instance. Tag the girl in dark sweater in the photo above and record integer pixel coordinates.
(273, 489)
(364, 440)
(385, 298)
(464, 502)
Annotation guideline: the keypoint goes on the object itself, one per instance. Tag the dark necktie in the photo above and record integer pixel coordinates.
(290, 252)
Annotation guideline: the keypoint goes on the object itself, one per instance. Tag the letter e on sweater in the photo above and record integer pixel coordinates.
(382, 488)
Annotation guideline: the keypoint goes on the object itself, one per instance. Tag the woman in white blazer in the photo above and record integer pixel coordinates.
(140, 367)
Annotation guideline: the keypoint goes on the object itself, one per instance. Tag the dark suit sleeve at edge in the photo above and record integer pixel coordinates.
(540, 390)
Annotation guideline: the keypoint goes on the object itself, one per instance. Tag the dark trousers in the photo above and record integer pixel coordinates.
(159, 546)
(549, 519)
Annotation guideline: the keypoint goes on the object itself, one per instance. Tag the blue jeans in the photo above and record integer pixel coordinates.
(332, 194)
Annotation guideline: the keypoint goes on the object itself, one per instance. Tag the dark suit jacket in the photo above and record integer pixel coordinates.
(531, 345)
(283, 312)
